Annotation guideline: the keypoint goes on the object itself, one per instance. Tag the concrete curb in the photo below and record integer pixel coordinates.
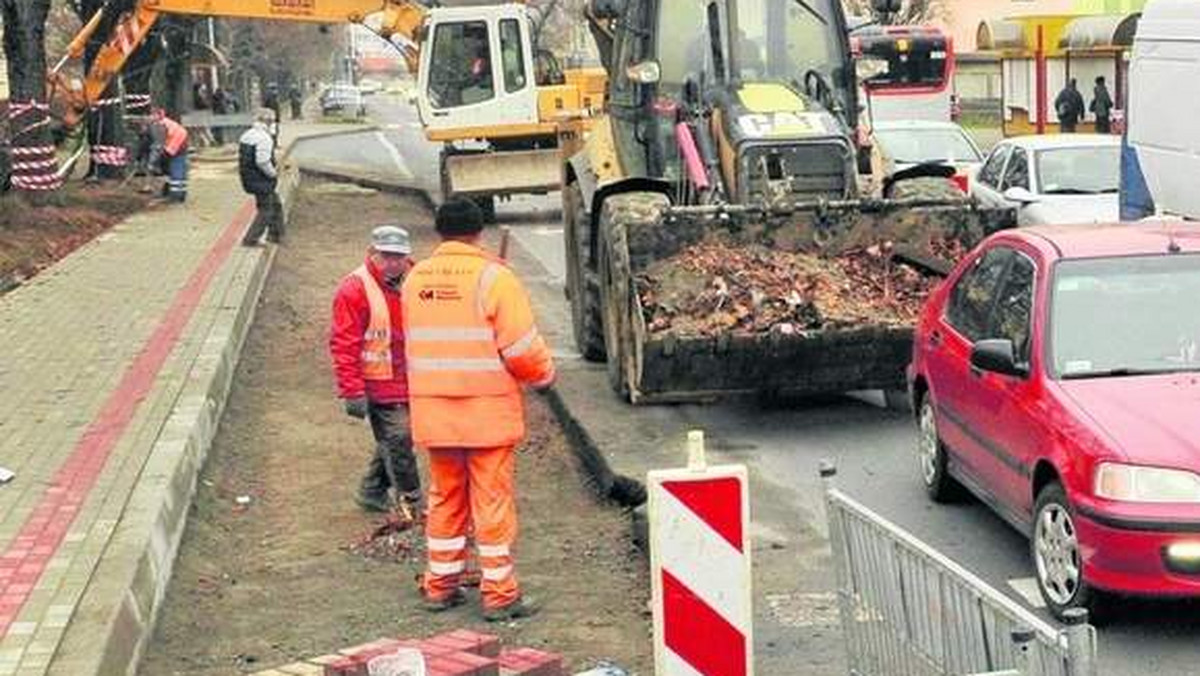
(363, 181)
(155, 517)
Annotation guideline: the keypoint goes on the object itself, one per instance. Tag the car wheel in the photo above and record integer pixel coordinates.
(1057, 560)
(931, 454)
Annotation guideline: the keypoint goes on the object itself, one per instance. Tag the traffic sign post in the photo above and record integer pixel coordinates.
(700, 567)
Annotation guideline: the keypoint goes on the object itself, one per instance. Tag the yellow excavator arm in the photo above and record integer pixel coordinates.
(399, 18)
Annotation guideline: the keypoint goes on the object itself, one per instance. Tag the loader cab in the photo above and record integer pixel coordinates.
(477, 69)
(776, 78)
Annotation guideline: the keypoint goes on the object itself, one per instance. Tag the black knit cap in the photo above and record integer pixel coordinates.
(459, 217)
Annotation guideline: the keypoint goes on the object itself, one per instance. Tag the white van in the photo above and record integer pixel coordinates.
(1163, 136)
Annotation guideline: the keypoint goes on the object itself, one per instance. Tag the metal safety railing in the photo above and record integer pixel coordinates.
(907, 610)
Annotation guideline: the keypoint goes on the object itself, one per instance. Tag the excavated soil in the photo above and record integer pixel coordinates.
(289, 571)
(32, 237)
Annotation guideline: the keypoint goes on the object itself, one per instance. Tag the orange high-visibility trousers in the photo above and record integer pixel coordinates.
(472, 487)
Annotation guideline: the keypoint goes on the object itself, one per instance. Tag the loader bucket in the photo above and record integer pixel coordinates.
(676, 365)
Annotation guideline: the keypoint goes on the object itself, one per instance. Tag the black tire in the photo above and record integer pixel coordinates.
(583, 284)
(932, 457)
(613, 320)
(1052, 511)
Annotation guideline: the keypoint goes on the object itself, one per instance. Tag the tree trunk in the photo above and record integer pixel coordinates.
(178, 72)
(106, 120)
(34, 163)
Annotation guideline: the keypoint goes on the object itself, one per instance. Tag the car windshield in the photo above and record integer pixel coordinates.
(780, 41)
(1090, 170)
(914, 146)
(1126, 316)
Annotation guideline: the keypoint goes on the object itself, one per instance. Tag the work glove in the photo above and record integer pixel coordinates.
(356, 407)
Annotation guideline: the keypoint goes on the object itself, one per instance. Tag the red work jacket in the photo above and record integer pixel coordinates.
(351, 319)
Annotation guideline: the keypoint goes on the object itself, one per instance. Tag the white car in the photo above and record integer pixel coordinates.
(1059, 179)
(909, 144)
(343, 98)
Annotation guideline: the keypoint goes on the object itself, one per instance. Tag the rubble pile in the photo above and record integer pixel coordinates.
(711, 289)
(393, 539)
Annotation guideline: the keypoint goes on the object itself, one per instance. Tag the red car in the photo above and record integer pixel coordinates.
(1056, 375)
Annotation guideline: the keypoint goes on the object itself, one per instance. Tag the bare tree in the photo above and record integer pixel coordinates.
(34, 163)
(912, 12)
(106, 120)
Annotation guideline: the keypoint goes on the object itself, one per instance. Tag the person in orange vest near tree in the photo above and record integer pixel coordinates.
(366, 342)
(472, 343)
(169, 146)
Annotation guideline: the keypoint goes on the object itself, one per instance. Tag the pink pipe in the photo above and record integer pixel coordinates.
(691, 156)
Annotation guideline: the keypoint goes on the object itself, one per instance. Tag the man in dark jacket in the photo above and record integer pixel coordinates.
(1069, 106)
(260, 177)
(1102, 105)
(366, 342)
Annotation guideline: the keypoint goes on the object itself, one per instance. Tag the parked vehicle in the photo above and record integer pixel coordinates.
(1056, 375)
(1159, 163)
(906, 145)
(344, 99)
(1053, 180)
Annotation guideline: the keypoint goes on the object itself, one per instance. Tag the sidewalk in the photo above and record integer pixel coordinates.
(114, 367)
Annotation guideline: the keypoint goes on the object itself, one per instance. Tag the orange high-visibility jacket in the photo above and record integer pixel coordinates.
(471, 341)
(177, 137)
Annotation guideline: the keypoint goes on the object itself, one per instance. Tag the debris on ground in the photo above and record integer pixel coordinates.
(709, 289)
(393, 539)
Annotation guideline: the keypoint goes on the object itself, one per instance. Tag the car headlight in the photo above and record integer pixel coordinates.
(1130, 483)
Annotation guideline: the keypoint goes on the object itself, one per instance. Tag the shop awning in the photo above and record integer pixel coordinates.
(1109, 32)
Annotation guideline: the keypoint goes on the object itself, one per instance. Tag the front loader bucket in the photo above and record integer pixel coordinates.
(680, 364)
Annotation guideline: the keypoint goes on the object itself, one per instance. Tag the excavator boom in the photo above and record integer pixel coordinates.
(399, 17)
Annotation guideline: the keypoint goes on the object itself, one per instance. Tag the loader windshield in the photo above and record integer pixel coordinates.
(776, 40)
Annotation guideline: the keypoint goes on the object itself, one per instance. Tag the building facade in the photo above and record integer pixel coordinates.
(1109, 6)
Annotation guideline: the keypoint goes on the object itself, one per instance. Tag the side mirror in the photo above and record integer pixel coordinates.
(645, 72)
(886, 6)
(997, 356)
(608, 9)
(1020, 195)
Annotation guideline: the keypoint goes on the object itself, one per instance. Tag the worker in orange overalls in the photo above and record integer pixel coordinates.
(471, 343)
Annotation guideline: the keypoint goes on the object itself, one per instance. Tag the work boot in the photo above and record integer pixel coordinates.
(454, 600)
(521, 608)
(372, 501)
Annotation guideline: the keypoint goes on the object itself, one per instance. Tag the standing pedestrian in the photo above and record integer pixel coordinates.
(472, 342)
(1069, 106)
(366, 343)
(1102, 105)
(260, 177)
(296, 99)
(169, 154)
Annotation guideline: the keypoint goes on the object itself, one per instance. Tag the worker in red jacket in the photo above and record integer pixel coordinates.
(367, 346)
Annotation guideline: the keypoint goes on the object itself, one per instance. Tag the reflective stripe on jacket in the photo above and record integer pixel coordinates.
(377, 339)
(351, 320)
(471, 341)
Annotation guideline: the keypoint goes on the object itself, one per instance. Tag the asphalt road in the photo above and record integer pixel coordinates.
(872, 447)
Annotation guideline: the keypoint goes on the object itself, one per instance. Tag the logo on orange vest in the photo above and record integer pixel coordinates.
(447, 294)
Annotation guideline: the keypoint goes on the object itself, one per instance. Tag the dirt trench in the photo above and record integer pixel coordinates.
(261, 584)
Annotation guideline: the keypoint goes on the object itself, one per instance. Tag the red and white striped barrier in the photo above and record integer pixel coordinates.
(700, 568)
(112, 156)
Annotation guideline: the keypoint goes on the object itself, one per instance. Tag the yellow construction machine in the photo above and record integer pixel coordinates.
(730, 142)
(488, 93)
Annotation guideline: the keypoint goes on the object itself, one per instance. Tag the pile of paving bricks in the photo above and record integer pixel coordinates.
(457, 653)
